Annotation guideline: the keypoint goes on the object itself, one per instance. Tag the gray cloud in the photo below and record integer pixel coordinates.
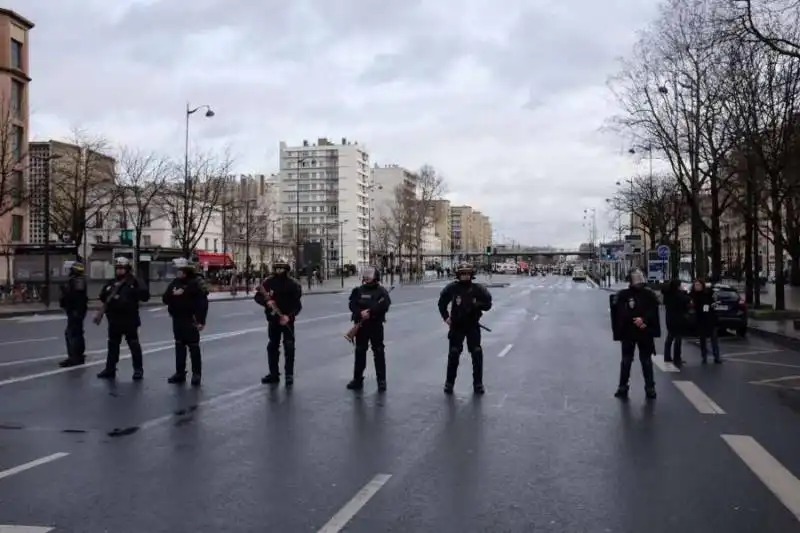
(505, 102)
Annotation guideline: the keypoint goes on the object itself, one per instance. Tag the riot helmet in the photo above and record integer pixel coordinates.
(122, 266)
(465, 272)
(281, 266)
(371, 275)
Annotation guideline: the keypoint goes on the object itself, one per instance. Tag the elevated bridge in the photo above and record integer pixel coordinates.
(522, 254)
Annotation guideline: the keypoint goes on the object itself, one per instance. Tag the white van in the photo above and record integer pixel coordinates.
(579, 274)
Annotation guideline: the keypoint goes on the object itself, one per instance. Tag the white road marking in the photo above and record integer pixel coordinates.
(502, 401)
(698, 398)
(535, 317)
(351, 508)
(505, 350)
(755, 352)
(156, 309)
(765, 363)
(774, 380)
(664, 366)
(32, 464)
(778, 479)
(38, 318)
(25, 341)
(25, 529)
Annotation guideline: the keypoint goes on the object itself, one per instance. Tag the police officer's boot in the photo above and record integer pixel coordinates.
(112, 359)
(197, 364)
(180, 364)
(477, 371)
(452, 372)
(356, 384)
(622, 392)
(273, 356)
(380, 368)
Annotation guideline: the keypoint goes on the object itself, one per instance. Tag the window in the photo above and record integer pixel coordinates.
(18, 187)
(17, 94)
(206, 244)
(16, 142)
(147, 218)
(215, 245)
(97, 221)
(16, 54)
(16, 227)
(147, 240)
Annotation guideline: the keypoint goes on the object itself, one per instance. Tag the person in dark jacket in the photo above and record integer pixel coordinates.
(281, 297)
(75, 302)
(369, 304)
(637, 325)
(186, 299)
(469, 301)
(121, 297)
(705, 320)
(676, 308)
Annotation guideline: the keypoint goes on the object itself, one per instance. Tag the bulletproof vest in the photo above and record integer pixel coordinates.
(368, 296)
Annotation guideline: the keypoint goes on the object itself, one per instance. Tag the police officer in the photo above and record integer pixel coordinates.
(186, 299)
(121, 297)
(469, 301)
(369, 304)
(281, 296)
(637, 324)
(75, 302)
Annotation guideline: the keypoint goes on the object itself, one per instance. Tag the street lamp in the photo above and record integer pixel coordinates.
(341, 249)
(186, 179)
(371, 208)
(46, 229)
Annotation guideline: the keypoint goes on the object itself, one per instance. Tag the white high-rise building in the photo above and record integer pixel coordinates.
(385, 181)
(324, 192)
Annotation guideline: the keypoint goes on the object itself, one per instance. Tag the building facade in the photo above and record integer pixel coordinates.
(324, 198)
(15, 113)
(442, 225)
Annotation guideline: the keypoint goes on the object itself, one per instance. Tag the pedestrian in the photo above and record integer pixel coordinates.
(705, 320)
(75, 303)
(469, 301)
(281, 297)
(186, 299)
(676, 309)
(369, 304)
(121, 297)
(637, 325)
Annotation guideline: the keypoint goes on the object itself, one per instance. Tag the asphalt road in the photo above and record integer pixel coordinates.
(547, 449)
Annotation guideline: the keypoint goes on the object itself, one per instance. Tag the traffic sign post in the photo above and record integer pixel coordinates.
(663, 252)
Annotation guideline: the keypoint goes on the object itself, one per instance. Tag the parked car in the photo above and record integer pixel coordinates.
(730, 308)
(578, 275)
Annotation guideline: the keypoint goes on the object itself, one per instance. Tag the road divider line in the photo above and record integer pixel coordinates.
(351, 508)
(765, 363)
(505, 350)
(698, 398)
(156, 309)
(32, 464)
(664, 366)
(778, 479)
(18, 362)
(755, 352)
(25, 341)
(775, 380)
(25, 529)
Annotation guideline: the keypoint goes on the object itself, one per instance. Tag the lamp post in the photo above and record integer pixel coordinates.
(186, 178)
(46, 222)
(341, 249)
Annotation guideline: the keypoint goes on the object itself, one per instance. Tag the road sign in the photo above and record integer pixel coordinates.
(663, 251)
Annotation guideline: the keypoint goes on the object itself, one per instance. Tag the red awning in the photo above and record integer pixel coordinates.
(214, 259)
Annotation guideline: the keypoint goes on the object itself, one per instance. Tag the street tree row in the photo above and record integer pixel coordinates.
(713, 88)
(95, 186)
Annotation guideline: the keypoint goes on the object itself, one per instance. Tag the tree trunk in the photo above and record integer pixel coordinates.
(716, 237)
(756, 267)
(777, 228)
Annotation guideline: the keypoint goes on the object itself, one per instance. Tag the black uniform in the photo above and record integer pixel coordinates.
(676, 308)
(469, 301)
(706, 321)
(372, 297)
(187, 303)
(121, 297)
(75, 302)
(287, 295)
(637, 302)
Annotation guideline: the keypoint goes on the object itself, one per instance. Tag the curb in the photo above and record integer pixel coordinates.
(57, 310)
(778, 338)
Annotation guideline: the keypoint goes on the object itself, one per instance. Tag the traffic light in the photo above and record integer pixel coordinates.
(488, 250)
(126, 237)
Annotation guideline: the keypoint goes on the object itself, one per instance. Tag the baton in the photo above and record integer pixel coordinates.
(484, 327)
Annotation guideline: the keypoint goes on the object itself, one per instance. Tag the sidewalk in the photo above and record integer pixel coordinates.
(29, 309)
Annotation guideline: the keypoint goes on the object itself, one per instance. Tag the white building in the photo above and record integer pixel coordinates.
(431, 244)
(324, 191)
(385, 181)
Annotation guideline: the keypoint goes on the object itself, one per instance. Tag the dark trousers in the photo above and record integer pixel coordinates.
(646, 350)
(187, 337)
(370, 335)
(456, 337)
(673, 347)
(130, 331)
(276, 333)
(73, 334)
(709, 333)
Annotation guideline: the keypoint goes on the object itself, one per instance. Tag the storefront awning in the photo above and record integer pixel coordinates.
(214, 259)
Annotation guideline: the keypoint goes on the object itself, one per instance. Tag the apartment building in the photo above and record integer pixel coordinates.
(442, 224)
(14, 109)
(461, 224)
(384, 188)
(324, 198)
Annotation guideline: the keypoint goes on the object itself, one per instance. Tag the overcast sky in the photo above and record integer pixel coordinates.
(505, 99)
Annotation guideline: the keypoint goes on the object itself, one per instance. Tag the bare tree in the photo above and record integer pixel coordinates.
(773, 23)
(82, 186)
(657, 203)
(141, 182)
(672, 92)
(400, 218)
(13, 158)
(194, 197)
(382, 236)
(430, 187)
